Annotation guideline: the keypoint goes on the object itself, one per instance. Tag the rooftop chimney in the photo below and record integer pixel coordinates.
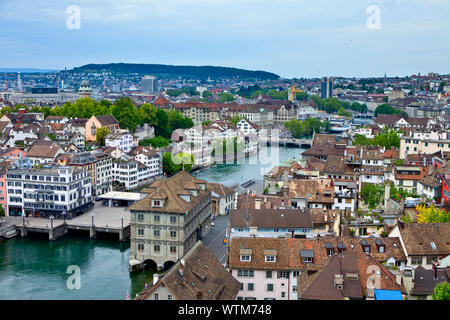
(339, 281)
(257, 203)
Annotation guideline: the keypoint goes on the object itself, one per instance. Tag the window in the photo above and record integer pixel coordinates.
(431, 259)
(244, 273)
(173, 219)
(156, 248)
(141, 232)
(294, 288)
(173, 234)
(307, 259)
(156, 218)
(283, 275)
(268, 274)
(283, 294)
(173, 249)
(140, 217)
(246, 258)
(156, 232)
(251, 287)
(140, 247)
(156, 296)
(270, 259)
(269, 287)
(416, 260)
(169, 297)
(241, 286)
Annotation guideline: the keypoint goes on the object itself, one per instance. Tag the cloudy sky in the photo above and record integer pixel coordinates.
(293, 38)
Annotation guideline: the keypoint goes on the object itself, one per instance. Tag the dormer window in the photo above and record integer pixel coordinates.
(341, 247)
(380, 246)
(157, 203)
(270, 258)
(185, 197)
(307, 256)
(330, 249)
(245, 255)
(365, 246)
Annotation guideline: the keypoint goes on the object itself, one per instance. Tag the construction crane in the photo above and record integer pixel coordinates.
(6, 82)
(292, 92)
(215, 91)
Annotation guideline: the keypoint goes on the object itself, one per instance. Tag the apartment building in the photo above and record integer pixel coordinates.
(423, 243)
(198, 111)
(96, 122)
(150, 158)
(125, 173)
(168, 222)
(269, 268)
(410, 145)
(121, 140)
(48, 192)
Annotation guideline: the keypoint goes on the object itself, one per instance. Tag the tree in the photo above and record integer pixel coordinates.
(386, 109)
(234, 120)
(182, 161)
(162, 124)
(126, 113)
(372, 195)
(430, 214)
(326, 125)
(100, 136)
(2, 211)
(225, 97)
(147, 114)
(178, 121)
(343, 112)
(156, 142)
(442, 291)
(302, 96)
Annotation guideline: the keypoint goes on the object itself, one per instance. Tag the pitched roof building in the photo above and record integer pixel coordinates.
(197, 276)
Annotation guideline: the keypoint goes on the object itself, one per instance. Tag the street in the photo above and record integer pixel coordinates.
(214, 239)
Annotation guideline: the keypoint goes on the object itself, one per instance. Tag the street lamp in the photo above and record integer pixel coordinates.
(121, 219)
(51, 221)
(92, 215)
(64, 216)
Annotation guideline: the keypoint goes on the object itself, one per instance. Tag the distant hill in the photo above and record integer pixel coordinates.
(161, 70)
(25, 70)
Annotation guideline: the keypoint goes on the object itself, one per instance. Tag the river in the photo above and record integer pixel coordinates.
(35, 268)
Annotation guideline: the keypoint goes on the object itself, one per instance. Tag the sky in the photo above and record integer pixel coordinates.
(292, 38)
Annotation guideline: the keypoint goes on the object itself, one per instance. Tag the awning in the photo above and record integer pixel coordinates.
(388, 295)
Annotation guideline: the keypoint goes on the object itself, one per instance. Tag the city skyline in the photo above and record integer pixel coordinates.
(294, 39)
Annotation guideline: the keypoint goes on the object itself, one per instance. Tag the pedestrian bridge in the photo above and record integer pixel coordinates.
(287, 141)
